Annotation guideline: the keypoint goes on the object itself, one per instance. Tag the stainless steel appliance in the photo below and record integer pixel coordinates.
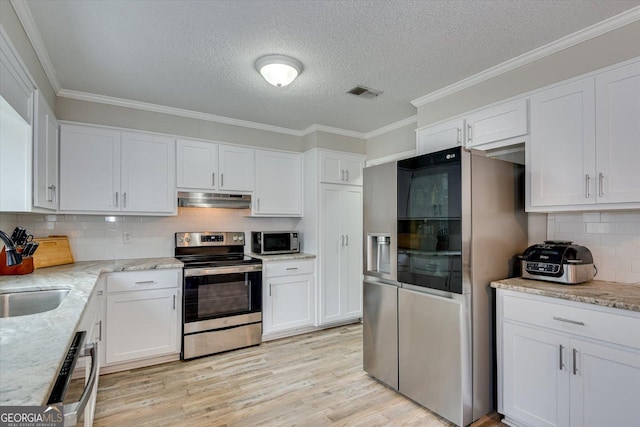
(274, 242)
(558, 261)
(74, 411)
(460, 221)
(222, 293)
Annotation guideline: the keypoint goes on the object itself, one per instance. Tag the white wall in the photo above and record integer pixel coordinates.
(612, 237)
(396, 141)
(93, 237)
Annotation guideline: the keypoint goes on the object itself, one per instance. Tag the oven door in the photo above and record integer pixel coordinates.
(210, 293)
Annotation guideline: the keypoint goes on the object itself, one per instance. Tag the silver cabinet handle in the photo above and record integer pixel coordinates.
(221, 180)
(145, 282)
(72, 411)
(587, 182)
(292, 268)
(459, 139)
(116, 199)
(342, 175)
(258, 201)
(174, 302)
(575, 361)
(346, 240)
(213, 179)
(342, 240)
(100, 293)
(99, 330)
(269, 289)
(124, 199)
(52, 191)
(469, 132)
(600, 185)
(574, 322)
(561, 357)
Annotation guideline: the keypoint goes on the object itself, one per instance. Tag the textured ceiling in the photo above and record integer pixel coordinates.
(199, 55)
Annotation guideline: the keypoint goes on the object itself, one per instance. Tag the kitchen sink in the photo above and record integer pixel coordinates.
(22, 303)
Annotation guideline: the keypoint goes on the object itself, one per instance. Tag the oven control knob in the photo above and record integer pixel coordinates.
(187, 239)
(240, 237)
(235, 238)
(181, 239)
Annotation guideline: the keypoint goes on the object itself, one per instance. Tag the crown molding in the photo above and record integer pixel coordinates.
(335, 131)
(580, 36)
(155, 108)
(393, 126)
(26, 19)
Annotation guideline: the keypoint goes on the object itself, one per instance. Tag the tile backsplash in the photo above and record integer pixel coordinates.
(612, 237)
(100, 237)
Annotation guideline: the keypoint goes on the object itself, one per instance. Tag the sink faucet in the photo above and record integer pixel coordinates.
(13, 257)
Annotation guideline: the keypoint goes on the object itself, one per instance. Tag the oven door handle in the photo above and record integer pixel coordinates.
(212, 271)
(73, 410)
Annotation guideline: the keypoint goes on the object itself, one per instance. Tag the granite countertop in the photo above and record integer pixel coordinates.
(283, 257)
(625, 296)
(33, 347)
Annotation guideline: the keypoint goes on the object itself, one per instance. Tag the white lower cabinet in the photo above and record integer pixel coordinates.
(289, 296)
(562, 363)
(142, 315)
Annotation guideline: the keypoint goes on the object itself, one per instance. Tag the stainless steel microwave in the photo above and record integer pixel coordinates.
(274, 242)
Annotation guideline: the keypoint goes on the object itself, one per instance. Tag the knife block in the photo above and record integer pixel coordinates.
(25, 268)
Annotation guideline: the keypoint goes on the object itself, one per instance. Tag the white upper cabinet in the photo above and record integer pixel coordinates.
(341, 168)
(148, 173)
(561, 163)
(197, 167)
(236, 168)
(278, 186)
(617, 132)
(106, 170)
(501, 122)
(208, 166)
(445, 135)
(583, 152)
(45, 156)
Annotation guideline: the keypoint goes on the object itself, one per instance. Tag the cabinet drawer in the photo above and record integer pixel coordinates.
(575, 318)
(143, 280)
(288, 268)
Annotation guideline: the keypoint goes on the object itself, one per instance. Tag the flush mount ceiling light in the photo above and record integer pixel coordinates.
(279, 70)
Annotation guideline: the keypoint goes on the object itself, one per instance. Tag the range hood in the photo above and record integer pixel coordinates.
(213, 200)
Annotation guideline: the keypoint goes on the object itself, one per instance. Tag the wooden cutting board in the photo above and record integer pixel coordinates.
(53, 250)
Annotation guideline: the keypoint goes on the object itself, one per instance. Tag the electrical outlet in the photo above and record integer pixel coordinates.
(126, 237)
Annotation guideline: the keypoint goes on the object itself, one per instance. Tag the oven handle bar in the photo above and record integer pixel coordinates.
(194, 272)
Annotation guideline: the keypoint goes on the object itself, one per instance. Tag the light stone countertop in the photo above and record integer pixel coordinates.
(625, 296)
(283, 257)
(33, 347)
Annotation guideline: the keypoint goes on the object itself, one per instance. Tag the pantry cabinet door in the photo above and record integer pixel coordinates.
(617, 132)
(561, 161)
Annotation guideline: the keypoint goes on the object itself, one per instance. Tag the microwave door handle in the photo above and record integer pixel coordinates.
(72, 410)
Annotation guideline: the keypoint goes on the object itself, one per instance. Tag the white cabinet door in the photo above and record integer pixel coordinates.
(236, 168)
(45, 157)
(440, 137)
(351, 263)
(617, 130)
(503, 121)
(290, 303)
(341, 168)
(197, 165)
(148, 173)
(561, 164)
(605, 386)
(341, 260)
(89, 169)
(141, 324)
(278, 183)
(535, 376)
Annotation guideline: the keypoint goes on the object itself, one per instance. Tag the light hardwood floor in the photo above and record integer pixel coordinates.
(314, 379)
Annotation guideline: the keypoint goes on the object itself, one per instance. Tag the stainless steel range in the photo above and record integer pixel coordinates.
(222, 293)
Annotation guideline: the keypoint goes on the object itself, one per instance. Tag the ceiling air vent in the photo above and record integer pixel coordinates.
(364, 92)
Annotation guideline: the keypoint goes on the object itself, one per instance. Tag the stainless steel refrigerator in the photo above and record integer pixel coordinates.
(438, 228)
